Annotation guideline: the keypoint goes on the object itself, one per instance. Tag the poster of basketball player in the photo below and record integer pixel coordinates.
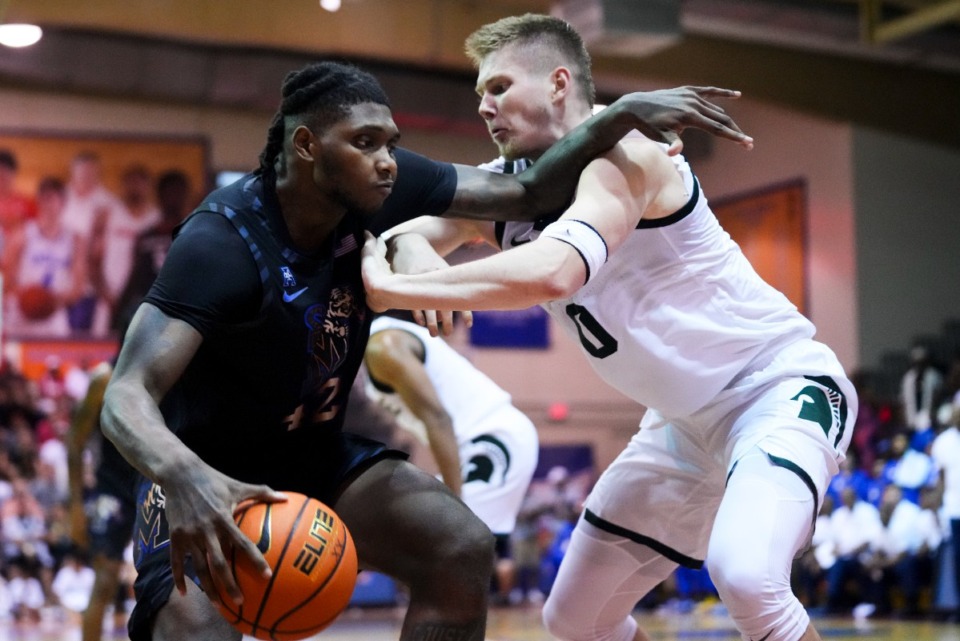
(71, 209)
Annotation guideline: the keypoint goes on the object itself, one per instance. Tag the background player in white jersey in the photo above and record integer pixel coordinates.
(485, 448)
(112, 239)
(44, 252)
(748, 416)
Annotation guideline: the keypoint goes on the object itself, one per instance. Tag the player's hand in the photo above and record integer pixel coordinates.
(662, 115)
(376, 272)
(200, 511)
(410, 253)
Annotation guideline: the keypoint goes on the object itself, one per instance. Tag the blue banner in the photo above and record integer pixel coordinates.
(523, 328)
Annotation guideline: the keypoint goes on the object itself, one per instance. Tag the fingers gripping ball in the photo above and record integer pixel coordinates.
(314, 563)
(37, 302)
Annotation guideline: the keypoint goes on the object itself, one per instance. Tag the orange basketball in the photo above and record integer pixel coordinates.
(314, 565)
(37, 302)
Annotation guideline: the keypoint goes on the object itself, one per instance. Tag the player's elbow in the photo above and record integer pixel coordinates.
(557, 287)
(563, 274)
(108, 423)
(116, 396)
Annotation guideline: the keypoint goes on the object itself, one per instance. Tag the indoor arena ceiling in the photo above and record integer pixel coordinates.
(889, 64)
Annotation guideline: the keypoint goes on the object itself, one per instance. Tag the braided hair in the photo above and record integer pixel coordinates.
(323, 93)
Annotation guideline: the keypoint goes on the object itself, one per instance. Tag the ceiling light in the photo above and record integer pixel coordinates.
(330, 5)
(19, 35)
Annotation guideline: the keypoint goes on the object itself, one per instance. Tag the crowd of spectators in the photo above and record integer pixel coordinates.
(43, 572)
(885, 538)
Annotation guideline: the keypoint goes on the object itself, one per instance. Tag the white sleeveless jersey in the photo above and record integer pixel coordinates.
(121, 233)
(79, 212)
(46, 261)
(469, 396)
(677, 312)
(497, 443)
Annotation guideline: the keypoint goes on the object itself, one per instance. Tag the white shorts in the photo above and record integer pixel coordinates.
(665, 488)
(498, 462)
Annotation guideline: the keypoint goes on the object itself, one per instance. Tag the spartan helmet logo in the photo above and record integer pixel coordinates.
(488, 460)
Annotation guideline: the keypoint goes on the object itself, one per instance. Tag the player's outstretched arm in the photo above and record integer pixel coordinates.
(392, 359)
(199, 501)
(612, 194)
(538, 271)
(86, 418)
(547, 187)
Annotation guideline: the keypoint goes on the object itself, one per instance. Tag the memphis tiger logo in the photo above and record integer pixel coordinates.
(153, 533)
(333, 328)
(330, 330)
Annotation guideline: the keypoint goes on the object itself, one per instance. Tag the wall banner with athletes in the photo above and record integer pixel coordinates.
(72, 205)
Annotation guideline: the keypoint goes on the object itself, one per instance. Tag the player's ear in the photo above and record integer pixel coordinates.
(304, 143)
(562, 83)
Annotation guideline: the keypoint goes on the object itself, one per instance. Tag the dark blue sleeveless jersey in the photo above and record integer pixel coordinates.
(283, 332)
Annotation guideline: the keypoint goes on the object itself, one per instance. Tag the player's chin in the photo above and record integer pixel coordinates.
(371, 205)
(512, 152)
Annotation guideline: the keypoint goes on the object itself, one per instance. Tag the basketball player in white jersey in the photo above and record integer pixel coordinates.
(486, 449)
(747, 415)
(114, 232)
(44, 252)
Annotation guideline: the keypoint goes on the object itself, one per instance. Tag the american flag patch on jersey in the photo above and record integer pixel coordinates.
(345, 246)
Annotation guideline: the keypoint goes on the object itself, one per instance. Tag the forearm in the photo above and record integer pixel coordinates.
(81, 427)
(132, 420)
(548, 186)
(411, 253)
(75, 474)
(460, 287)
(430, 235)
(550, 182)
(443, 445)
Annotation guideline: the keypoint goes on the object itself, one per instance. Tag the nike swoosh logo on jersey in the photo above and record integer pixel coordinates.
(287, 298)
(514, 242)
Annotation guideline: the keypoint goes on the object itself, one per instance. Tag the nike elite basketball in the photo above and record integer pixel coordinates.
(314, 564)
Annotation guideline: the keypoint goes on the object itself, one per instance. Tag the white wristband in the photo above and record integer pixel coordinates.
(584, 238)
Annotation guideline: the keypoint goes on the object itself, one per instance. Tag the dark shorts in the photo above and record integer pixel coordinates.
(502, 546)
(110, 518)
(320, 471)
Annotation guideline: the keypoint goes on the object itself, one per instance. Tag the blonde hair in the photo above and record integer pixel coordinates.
(556, 40)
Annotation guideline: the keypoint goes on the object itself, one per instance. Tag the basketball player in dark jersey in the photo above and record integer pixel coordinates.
(233, 377)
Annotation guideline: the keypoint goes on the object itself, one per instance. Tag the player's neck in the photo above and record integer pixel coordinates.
(307, 226)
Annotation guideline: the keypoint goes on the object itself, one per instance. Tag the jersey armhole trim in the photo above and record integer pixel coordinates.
(676, 216)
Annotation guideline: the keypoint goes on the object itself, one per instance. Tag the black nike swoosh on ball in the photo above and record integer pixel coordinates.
(265, 534)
